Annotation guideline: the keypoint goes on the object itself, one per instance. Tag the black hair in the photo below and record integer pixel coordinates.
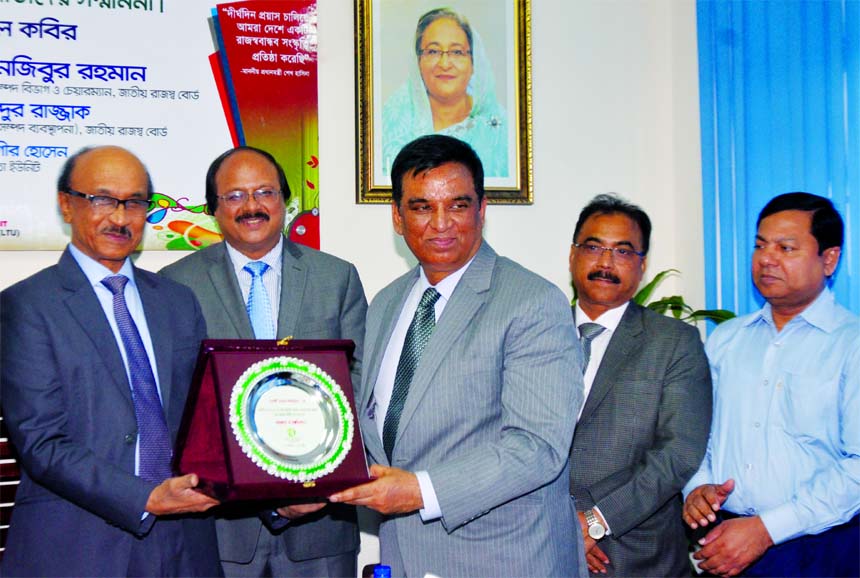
(429, 152)
(212, 189)
(827, 226)
(610, 204)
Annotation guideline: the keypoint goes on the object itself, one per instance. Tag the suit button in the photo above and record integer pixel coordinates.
(129, 438)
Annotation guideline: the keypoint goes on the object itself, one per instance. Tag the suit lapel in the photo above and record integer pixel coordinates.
(223, 277)
(374, 349)
(625, 340)
(293, 279)
(86, 310)
(465, 302)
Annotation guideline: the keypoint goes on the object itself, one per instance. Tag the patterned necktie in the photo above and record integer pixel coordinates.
(154, 440)
(587, 333)
(259, 307)
(417, 337)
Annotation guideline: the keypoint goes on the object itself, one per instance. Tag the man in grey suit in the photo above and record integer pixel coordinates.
(97, 357)
(467, 395)
(312, 295)
(644, 426)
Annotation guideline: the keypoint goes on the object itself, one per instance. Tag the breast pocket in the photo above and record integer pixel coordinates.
(808, 401)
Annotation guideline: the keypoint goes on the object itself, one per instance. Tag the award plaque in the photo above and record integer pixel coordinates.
(268, 420)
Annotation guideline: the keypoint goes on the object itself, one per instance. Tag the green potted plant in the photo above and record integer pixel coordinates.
(674, 305)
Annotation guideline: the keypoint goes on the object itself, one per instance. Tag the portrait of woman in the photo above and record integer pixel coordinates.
(450, 89)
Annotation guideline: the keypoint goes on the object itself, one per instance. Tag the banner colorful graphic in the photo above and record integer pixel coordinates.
(73, 75)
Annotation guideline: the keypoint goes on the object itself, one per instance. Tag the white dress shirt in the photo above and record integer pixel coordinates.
(271, 278)
(384, 386)
(609, 320)
(95, 272)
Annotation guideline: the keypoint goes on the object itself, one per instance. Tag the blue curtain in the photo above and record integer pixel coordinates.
(780, 100)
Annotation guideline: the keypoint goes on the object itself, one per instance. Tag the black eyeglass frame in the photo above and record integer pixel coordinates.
(113, 201)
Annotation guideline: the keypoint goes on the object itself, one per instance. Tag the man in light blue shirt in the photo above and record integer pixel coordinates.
(783, 463)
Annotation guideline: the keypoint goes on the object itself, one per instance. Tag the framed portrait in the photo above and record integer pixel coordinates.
(461, 68)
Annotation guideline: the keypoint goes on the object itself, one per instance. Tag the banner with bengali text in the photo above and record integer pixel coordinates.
(177, 82)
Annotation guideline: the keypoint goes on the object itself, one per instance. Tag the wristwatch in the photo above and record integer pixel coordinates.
(595, 529)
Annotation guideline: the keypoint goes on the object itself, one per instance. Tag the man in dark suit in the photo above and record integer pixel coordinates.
(644, 426)
(97, 357)
(467, 393)
(308, 295)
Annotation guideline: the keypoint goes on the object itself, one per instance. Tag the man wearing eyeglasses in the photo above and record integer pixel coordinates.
(258, 284)
(97, 356)
(644, 426)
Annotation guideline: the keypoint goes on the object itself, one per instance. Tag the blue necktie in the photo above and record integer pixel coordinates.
(154, 440)
(417, 337)
(259, 307)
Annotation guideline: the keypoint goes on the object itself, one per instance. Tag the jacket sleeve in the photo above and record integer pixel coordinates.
(39, 405)
(541, 388)
(631, 495)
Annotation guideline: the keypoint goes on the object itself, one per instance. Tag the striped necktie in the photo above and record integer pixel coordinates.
(417, 337)
(587, 333)
(259, 307)
(154, 439)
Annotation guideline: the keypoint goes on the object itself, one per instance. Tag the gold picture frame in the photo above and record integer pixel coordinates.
(390, 97)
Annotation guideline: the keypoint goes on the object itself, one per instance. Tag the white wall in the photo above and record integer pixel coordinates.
(615, 109)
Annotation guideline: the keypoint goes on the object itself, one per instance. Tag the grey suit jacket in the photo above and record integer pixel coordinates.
(321, 298)
(641, 436)
(488, 416)
(67, 401)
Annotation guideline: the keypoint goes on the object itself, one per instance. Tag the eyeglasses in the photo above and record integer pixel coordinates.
(593, 251)
(106, 204)
(434, 55)
(239, 198)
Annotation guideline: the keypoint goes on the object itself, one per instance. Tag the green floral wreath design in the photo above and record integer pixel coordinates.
(262, 457)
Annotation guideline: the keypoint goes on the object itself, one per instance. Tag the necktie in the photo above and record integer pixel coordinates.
(417, 337)
(154, 440)
(587, 333)
(259, 307)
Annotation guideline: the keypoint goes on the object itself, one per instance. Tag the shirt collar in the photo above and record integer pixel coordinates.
(609, 319)
(272, 258)
(95, 271)
(821, 313)
(446, 286)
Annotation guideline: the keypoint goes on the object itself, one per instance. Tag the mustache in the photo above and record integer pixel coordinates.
(257, 215)
(113, 230)
(604, 275)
